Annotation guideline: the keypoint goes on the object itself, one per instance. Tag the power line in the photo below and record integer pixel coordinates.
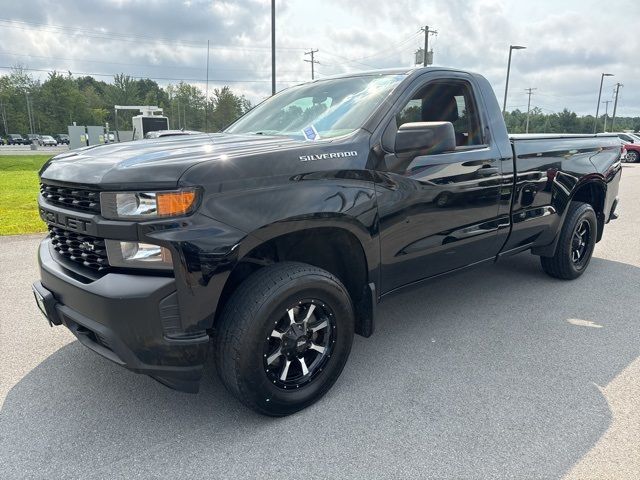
(392, 49)
(28, 26)
(220, 80)
(177, 67)
(348, 60)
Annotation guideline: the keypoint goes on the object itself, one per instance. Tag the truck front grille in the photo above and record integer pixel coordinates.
(72, 198)
(83, 249)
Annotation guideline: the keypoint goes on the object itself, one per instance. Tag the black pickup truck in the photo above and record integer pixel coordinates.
(276, 239)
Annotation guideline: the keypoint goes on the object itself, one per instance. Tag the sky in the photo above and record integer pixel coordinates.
(570, 43)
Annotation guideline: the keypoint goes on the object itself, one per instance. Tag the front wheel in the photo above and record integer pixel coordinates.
(284, 337)
(575, 245)
(632, 156)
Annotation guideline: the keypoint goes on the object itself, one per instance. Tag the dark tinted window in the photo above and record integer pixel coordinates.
(446, 102)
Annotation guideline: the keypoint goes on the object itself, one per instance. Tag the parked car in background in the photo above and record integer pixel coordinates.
(15, 139)
(169, 133)
(48, 141)
(32, 138)
(633, 152)
(631, 144)
(62, 138)
(629, 137)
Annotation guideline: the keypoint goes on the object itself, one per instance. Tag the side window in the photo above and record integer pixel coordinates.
(412, 112)
(446, 102)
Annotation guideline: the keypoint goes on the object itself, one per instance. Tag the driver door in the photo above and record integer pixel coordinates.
(438, 212)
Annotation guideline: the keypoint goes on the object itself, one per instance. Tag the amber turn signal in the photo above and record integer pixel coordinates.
(175, 203)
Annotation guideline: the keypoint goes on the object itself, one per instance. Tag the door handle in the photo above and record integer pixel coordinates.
(488, 171)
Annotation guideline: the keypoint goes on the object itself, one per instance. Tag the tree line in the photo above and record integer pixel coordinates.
(565, 122)
(62, 99)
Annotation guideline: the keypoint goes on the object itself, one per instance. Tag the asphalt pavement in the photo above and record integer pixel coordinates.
(497, 372)
(26, 150)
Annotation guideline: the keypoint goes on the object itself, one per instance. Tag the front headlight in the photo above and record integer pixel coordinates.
(147, 205)
(138, 255)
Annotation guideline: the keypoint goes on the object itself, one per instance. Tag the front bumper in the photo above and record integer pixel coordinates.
(123, 317)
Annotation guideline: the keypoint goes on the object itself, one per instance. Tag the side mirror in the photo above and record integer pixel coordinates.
(425, 138)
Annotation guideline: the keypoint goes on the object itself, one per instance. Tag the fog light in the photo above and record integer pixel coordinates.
(138, 255)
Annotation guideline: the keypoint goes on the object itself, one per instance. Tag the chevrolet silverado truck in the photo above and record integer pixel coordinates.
(272, 242)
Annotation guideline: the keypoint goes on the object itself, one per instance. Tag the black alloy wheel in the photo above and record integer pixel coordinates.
(576, 243)
(580, 242)
(300, 344)
(284, 337)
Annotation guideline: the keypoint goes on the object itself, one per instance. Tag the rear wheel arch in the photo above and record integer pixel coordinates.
(594, 193)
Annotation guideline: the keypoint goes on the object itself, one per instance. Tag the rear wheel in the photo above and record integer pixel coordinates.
(575, 245)
(284, 337)
(632, 156)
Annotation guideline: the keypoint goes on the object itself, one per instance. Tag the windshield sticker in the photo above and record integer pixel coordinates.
(310, 133)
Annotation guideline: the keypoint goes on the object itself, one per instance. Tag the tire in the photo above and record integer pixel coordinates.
(632, 156)
(574, 251)
(263, 317)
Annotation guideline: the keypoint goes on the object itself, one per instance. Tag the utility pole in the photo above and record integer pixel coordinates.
(312, 61)
(529, 91)
(427, 32)
(273, 47)
(179, 124)
(4, 118)
(206, 94)
(26, 95)
(606, 111)
(615, 106)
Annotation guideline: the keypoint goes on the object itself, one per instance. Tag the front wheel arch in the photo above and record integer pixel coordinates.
(334, 249)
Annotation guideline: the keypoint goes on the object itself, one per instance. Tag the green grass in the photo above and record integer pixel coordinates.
(19, 194)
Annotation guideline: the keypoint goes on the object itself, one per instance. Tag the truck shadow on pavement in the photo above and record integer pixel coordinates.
(489, 373)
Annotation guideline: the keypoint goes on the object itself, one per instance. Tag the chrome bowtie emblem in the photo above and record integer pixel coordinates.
(88, 246)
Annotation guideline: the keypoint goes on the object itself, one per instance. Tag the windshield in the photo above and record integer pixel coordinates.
(323, 109)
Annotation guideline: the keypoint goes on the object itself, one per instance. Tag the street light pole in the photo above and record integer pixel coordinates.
(273, 47)
(206, 95)
(595, 122)
(506, 86)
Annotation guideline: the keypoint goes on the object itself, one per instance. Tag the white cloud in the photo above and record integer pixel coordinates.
(569, 43)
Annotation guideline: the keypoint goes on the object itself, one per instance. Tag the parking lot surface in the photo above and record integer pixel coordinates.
(26, 150)
(496, 372)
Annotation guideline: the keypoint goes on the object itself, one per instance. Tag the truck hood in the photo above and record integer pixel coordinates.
(158, 162)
